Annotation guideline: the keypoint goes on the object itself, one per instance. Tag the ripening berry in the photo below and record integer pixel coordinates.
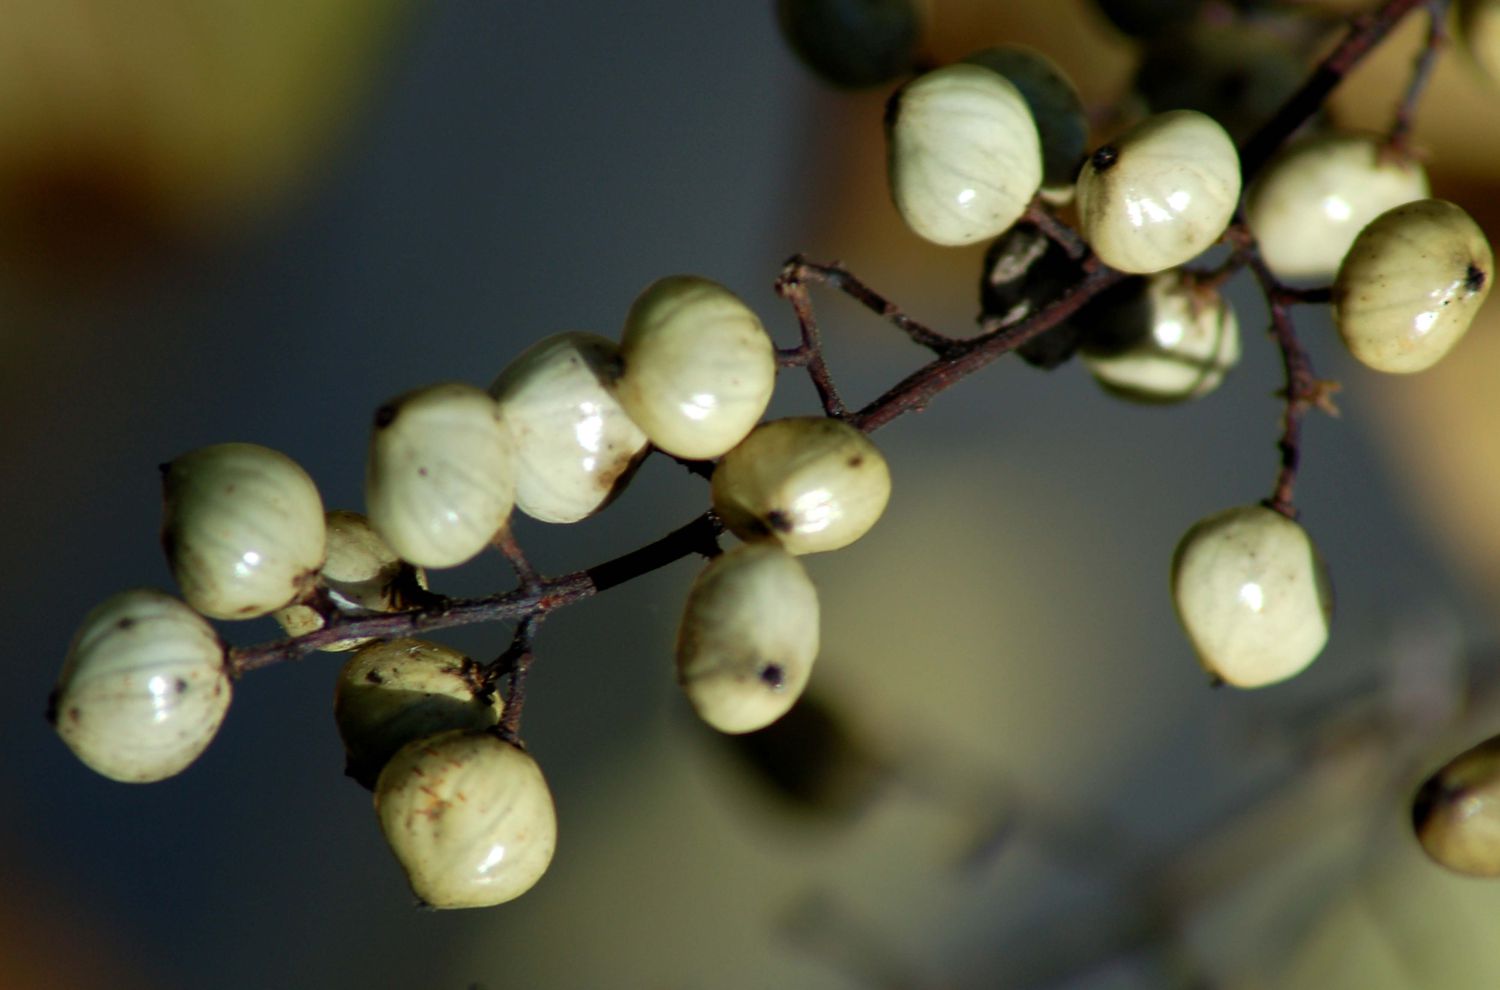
(1314, 197)
(576, 449)
(1161, 193)
(852, 43)
(963, 154)
(361, 572)
(1055, 109)
(748, 637)
(1479, 29)
(1411, 284)
(242, 528)
(1253, 595)
(1456, 813)
(698, 367)
(810, 483)
(391, 693)
(144, 687)
(1164, 338)
(441, 478)
(468, 816)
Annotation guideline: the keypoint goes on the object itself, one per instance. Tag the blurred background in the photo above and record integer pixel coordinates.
(232, 221)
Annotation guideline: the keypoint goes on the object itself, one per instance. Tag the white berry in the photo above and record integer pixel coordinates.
(441, 478)
(810, 483)
(1174, 340)
(1253, 595)
(360, 572)
(699, 367)
(144, 687)
(1161, 193)
(397, 691)
(748, 637)
(576, 448)
(1456, 813)
(1314, 198)
(468, 816)
(1411, 284)
(242, 527)
(963, 154)
(1479, 28)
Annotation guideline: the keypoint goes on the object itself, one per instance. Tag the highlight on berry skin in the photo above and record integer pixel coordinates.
(963, 154)
(143, 689)
(1160, 338)
(1160, 194)
(1411, 284)
(810, 483)
(699, 367)
(1253, 596)
(468, 816)
(748, 637)
(242, 527)
(576, 448)
(440, 481)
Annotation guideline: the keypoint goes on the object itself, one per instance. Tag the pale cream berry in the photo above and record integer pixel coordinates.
(395, 692)
(360, 572)
(1479, 27)
(441, 478)
(576, 449)
(469, 817)
(1161, 193)
(1316, 196)
(144, 687)
(810, 483)
(1456, 813)
(963, 154)
(1253, 595)
(698, 367)
(748, 637)
(242, 528)
(1174, 341)
(1055, 108)
(1411, 284)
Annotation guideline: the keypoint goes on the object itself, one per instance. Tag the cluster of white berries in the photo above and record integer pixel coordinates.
(558, 435)
(971, 145)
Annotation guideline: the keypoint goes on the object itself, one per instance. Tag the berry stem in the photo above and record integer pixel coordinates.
(1421, 74)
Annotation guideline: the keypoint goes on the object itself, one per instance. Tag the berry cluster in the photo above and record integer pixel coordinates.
(558, 435)
(1089, 257)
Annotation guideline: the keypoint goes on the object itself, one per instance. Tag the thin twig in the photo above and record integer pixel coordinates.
(798, 270)
(790, 286)
(1421, 74)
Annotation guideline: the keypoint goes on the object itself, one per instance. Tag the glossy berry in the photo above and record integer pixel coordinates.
(1163, 338)
(810, 483)
(1160, 194)
(144, 687)
(1024, 272)
(748, 637)
(1055, 109)
(1252, 594)
(576, 449)
(1316, 196)
(394, 692)
(469, 817)
(852, 43)
(963, 154)
(441, 477)
(360, 572)
(1411, 285)
(1456, 813)
(243, 529)
(698, 367)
